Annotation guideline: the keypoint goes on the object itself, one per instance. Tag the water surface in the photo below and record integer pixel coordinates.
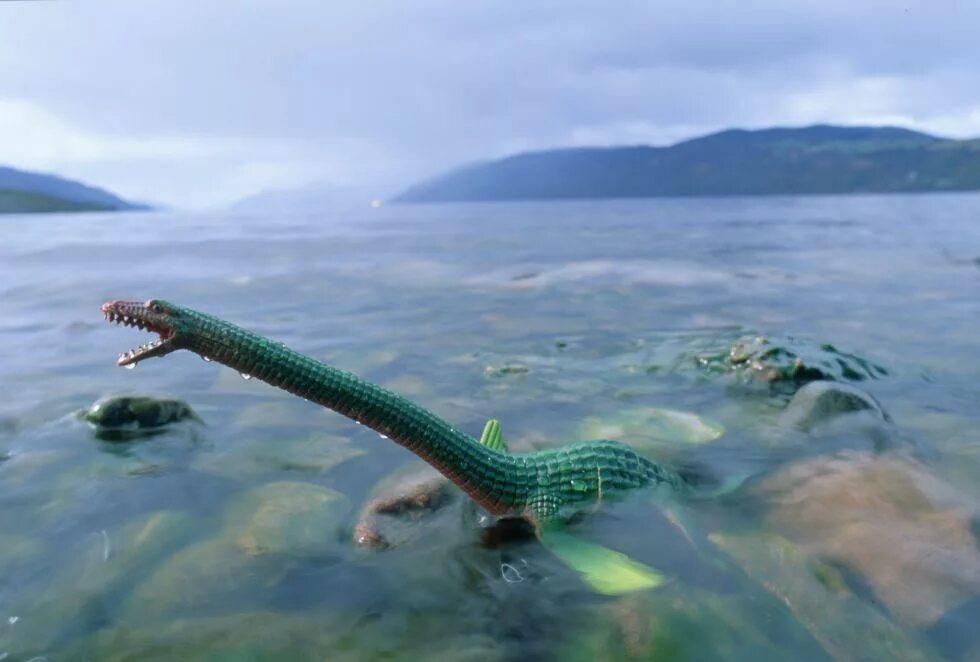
(550, 317)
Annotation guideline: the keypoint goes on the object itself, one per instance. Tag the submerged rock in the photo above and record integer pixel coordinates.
(299, 519)
(652, 426)
(206, 573)
(269, 635)
(15, 549)
(685, 623)
(817, 594)
(84, 587)
(787, 363)
(400, 504)
(908, 535)
(256, 454)
(264, 530)
(120, 418)
(821, 402)
(505, 370)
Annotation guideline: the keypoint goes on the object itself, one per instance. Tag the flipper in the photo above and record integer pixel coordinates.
(607, 571)
(492, 437)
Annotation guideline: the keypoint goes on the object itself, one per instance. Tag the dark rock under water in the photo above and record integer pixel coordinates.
(121, 418)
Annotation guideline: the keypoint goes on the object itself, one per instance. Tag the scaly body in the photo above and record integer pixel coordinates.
(536, 485)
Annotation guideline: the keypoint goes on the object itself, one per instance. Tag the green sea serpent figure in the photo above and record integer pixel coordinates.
(542, 487)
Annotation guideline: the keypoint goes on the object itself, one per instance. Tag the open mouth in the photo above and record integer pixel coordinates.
(139, 315)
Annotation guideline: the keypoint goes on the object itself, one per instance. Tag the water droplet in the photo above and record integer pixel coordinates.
(207, 359)
(510, 574)
(245, 376)
(130, 366)
(358, 422)
(382, 436)
(13, 619)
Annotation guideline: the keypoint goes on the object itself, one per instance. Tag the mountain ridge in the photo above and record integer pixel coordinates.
(779, 160)
(24, 191)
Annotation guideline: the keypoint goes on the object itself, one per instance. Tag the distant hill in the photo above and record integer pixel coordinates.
(815, 159)
(23, 192)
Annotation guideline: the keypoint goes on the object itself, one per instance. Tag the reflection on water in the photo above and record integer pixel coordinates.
(858, 538)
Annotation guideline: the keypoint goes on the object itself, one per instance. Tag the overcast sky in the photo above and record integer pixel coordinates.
(200, 103)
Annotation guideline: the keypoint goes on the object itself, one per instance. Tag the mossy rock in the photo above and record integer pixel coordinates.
(785, 363)
(127, 417)
(822, 402)
(651, 427)
(294, 518)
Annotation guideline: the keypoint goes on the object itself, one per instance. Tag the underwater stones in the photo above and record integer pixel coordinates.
(683, 622)
(256, 455)
(276, 413)
(652, 426)
(15, 549)
(506, 370)
(817, 594)
(247, 636)
(82, 589)
(821, 402)
(267, 635)
(786, 363)
(299, 519)
(905, 532)
(120, 418)
(202, 574)
(395, 512)
(264, 529)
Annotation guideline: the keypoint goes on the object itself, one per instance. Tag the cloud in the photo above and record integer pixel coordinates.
(194, 103)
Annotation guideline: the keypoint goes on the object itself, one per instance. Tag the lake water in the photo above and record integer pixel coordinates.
(232, 539)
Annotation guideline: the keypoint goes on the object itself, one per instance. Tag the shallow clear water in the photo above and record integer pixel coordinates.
(168, 546)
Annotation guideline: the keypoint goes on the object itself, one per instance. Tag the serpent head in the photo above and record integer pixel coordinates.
(168, 321)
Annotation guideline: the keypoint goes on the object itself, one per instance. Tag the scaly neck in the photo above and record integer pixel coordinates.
(476, 469)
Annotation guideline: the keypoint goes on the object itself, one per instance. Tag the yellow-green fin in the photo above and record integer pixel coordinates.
(607, 571)
(492, 437)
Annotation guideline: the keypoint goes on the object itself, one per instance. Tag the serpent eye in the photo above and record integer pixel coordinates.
(156, 308)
